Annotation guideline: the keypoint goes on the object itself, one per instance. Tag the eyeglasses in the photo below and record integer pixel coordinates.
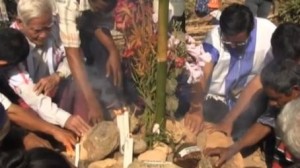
(239, 44)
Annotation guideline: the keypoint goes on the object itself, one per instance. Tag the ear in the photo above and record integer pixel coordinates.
(19, 23)
(296, 90)
(2, 62)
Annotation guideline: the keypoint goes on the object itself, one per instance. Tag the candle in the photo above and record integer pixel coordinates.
(77, 154)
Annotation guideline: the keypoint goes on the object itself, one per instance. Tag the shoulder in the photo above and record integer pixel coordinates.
(265, 24)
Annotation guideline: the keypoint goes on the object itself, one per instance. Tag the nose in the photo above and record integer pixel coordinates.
(43, 34)
(273, 103)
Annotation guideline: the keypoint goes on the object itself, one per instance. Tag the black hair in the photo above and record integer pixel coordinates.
(285, 42)
(14, 47)
(235, 19)
(281, 76)
(34, 158)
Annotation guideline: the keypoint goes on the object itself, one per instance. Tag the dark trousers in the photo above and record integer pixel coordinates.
(259, 8)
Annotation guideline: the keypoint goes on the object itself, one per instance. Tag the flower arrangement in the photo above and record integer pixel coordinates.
(134, 20)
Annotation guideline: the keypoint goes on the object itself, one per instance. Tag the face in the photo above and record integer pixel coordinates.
(37, 29)
(238, 41)
(278, 100)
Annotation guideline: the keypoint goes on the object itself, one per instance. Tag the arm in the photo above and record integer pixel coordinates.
(78, 70)
(49, 111)
(247, 95)
(256, 133)
(33, 123)
(194, 117)
(70, 39)
(113, 66)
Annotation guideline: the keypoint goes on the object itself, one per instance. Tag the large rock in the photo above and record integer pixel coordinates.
(159, 152)
(107, 163)
(141, 164)
(212, 139)
(100, 141)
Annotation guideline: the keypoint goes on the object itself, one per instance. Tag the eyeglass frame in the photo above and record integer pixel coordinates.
(241, 44)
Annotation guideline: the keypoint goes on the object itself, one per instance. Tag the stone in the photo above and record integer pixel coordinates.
(99, 142)
(211, 139)
(141, 164)
(158, 153)
(107, 163)
(139, 145)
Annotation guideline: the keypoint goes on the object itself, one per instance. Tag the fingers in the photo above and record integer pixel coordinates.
(38, 88)
(215, 152)
(77, 125)
(93, 121)
(212, 151)
(108, 70)
(84, 127)
(46, 144)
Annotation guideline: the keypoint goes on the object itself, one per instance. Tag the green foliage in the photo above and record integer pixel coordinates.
(289, 11)
(164, 137)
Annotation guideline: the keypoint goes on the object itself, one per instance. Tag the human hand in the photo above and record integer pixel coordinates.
(94, 117)
(47, 85)
(31, 141)
(224, 154)
(113, 68)
(193, 120)
(77, 125)
(66, 138)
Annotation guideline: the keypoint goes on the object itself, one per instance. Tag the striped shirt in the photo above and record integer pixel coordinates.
(68, 12)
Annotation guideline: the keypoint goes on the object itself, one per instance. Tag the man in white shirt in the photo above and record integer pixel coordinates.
(13, 49)
(38, 79)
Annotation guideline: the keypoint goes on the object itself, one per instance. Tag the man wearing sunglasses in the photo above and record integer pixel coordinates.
(239, 48)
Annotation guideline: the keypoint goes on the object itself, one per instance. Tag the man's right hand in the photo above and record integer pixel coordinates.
(225, 154)
(66, 138)
(76, 124)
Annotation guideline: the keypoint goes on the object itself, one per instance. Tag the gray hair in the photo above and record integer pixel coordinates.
(29, 9)
(288, 126)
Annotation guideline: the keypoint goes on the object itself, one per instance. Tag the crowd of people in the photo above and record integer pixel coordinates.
(61, 73)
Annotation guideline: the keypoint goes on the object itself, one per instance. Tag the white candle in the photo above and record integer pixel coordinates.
(77, 154)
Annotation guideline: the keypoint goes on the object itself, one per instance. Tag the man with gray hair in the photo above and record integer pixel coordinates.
(288, 127)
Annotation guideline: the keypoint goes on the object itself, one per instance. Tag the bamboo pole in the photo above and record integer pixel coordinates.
(161, 75)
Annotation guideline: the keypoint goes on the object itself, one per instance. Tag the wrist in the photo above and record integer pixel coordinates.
(59, 76)
(195, 107)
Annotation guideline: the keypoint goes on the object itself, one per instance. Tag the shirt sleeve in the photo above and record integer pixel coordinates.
(64, 68)
(5, 101)
(269, 117)
(68, 13)
(210, 44)
(42, 104)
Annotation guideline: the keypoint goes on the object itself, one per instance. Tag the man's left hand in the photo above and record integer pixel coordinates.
(47, 85)
(113, 68)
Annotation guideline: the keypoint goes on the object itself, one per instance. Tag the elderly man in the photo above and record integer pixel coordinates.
(40, 79)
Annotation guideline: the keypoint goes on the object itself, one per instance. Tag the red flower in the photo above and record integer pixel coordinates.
(128, 52)
(179, 62)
